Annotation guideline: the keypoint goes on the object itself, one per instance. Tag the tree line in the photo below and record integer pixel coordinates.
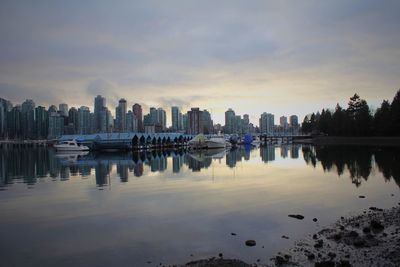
(357, 119)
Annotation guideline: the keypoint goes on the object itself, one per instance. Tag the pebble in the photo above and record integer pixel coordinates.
(361, 196)
(315, 220)
(251, 243)
(296, 216)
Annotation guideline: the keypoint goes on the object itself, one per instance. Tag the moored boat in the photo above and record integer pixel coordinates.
(70, 145)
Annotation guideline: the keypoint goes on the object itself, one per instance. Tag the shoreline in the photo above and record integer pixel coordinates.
(371, 238)
(341, 140)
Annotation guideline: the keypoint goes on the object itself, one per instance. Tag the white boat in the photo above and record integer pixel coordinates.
(200, 142)
(217, 141)
(70, 146)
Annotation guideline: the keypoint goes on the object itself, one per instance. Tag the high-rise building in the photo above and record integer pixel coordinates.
(294, 121)
(283, 122)
(185, 122)
(52, 109)
(229, 121)
(41, 122)
(195, 121)
(120, 116)
(161, 118)
(267, 123)
(100, 114)
(237, 125)
(5, 107)
(137, 111)
(73, 118)
(207, 122)
(14, 123)
(131, 122)
(56, 125)
(84, 120)
(63, 108)
(110, 122)
(175, 116)
(28, 119)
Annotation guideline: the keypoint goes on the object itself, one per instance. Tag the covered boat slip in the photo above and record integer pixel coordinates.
(128, 141)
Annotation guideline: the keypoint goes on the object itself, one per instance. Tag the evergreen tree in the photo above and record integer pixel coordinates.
(395, 114)
(382, 120)
(359, 116)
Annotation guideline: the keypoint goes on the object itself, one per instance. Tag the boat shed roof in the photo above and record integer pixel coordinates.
(122, 136)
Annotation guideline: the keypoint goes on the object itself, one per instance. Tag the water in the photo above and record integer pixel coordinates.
(170, 207)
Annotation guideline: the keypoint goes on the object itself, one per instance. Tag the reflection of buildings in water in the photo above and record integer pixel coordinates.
(267, 153)
(198, 160)
(64, 173)
(235, 155)
(138, 169)
(177, 163)
(158, 163)
(122, 171)
(294, 151)
(29, 164)
(102, 170)
(284, 151)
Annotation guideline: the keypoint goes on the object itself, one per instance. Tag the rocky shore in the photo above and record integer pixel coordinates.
(369, 239)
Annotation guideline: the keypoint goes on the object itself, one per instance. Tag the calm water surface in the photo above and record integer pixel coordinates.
(128, 209)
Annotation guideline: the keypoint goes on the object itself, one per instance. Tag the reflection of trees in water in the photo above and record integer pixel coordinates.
(357, 160)
(29, 165)
(388, 161)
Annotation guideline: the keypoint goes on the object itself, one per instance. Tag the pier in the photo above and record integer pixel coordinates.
(129, 141)
(4, 144)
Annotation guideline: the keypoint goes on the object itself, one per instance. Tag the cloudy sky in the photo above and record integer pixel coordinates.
(283, 57)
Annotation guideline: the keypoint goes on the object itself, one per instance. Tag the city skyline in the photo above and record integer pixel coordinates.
(130, 104)
(283, 57)
(28, 121)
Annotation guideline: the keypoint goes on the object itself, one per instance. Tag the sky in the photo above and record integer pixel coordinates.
(281, 57)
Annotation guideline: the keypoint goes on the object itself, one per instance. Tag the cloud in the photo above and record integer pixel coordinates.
(276, 56)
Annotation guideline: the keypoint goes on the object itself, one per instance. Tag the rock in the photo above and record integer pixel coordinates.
(366, 230)
(311, 256)
(314, 236)
(279, 260)
(325, 264)
(319, 243)
(285, 237)
(361, 196)
(315, 220)
(375, 209)
(352, 234)
(359, 242)
(296, 216)
(337, 236)
(343, 263)
(376, 225)
(251, 243)
(220, 255)
(233, 233)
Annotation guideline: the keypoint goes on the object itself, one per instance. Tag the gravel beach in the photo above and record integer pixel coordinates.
(371, 238)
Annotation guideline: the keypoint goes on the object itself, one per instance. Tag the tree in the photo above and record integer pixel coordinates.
(382, 120)
(325, 122)
(359, 115)
(395, 114)
(339, 121)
